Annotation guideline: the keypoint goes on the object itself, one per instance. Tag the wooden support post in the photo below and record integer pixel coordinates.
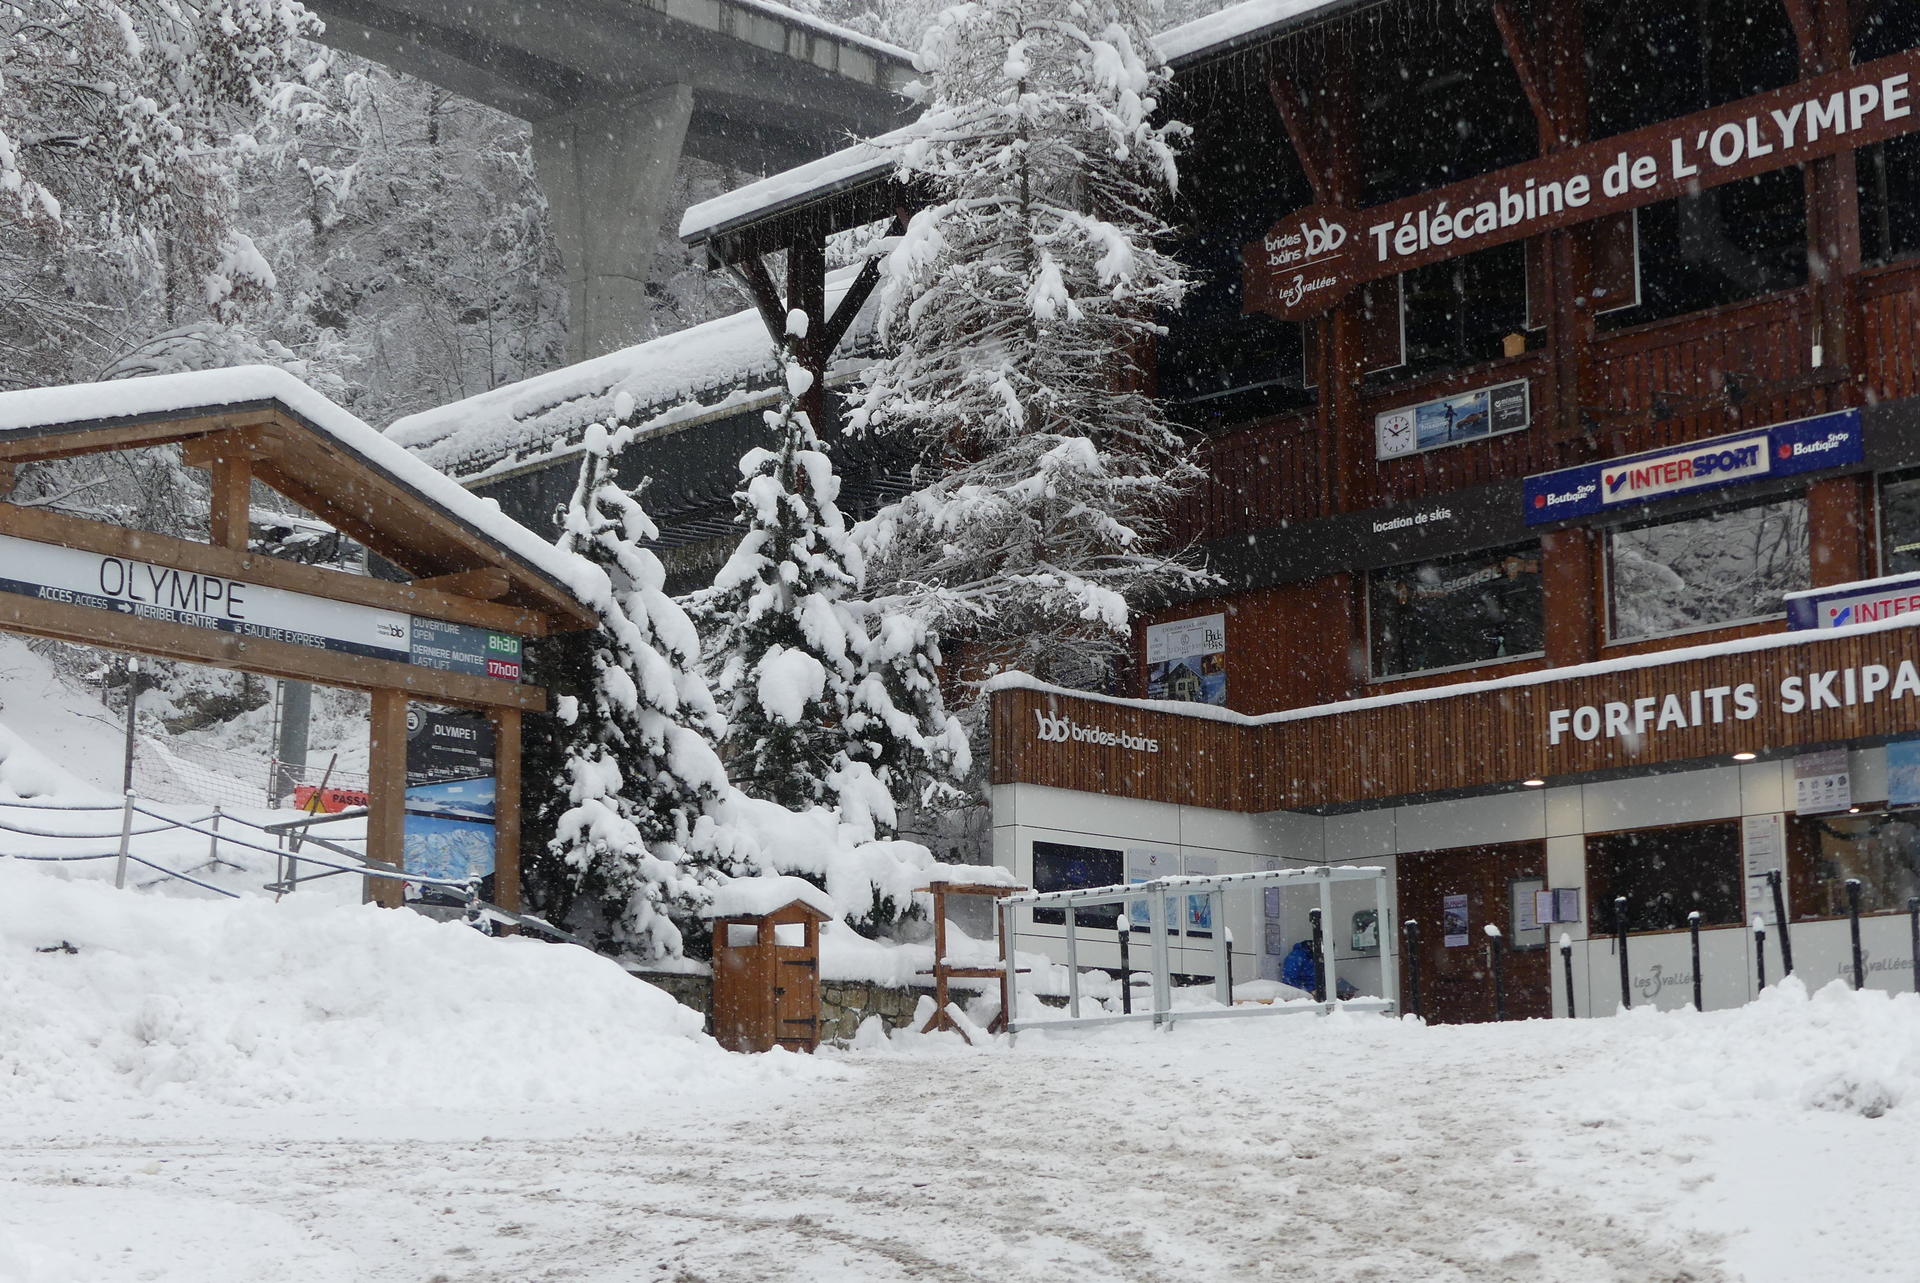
(1824, 33)
(807, 292)
(1839, 519)
(231, 512)
(506, 808)
(1570, 603)
(387, 792)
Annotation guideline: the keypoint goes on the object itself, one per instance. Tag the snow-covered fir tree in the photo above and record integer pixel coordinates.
(819, 712)
(633, 839)
(1018, 305)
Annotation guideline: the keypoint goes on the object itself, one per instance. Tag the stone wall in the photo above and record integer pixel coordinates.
(844, 1004)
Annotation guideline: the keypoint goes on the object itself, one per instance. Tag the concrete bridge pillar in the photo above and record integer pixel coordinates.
(608, 166)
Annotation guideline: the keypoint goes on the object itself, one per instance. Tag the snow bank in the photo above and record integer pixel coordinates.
(249, 1003)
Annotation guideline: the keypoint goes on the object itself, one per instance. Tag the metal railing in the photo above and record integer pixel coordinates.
(1157, 894)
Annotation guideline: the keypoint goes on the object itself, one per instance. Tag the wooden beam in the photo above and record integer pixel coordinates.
(31, 446)
(506, 807)
(856, 297)
(387, 793)
(87, 626)
(1522, 48)
(753, 276)
(807, 292)
(230, 510)
(258, 568)
(1288, 101)
(488, 583)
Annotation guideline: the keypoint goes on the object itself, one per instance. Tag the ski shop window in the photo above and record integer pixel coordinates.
(1823, 851)
(1219, 366)
(1731, 566)
(1900, 524)
(1665, 874)
(1454, 612)
(1060, 867)
(1889, 172)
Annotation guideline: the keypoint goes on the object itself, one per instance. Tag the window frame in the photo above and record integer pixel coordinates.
(1366, 613)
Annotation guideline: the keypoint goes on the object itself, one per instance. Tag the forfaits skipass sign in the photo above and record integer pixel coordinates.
(166, 594)
(1785, 449)
(1309, 260)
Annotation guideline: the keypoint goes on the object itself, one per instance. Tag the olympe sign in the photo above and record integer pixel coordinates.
(166, 594)
(1309, 260)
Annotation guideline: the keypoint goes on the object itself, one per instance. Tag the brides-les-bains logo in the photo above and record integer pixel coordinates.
(1062, 730)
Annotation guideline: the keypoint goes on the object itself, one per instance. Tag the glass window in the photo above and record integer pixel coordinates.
(1455, 611)
(1665, 874)
(1059, 867)
(1900, 525)
(1890, 171)
(1723, 567)
(1882, 851)
(1461, 311)
(1718, 247)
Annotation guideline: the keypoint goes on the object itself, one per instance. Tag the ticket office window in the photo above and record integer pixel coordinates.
(1455, 612)
(1711, 570)
(1058, 866)
(1665, 874)
(1881, 850)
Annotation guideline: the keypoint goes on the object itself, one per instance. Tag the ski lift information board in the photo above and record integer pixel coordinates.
(144, 590)
(450, 793)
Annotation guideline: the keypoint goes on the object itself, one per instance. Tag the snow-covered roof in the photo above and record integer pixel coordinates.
(40, 411)
(674, 378)
(869, 159)
(845, 35)
(757, 897)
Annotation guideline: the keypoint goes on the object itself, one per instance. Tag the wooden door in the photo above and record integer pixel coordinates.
(796, 994)
(1456, 981)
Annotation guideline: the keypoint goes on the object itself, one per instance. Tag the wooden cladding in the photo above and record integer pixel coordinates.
(1470, 737)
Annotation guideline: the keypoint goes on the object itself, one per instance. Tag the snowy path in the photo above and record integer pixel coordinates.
(1396, 1152)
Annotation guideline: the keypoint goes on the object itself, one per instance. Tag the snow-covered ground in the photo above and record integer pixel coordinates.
(239, 1090)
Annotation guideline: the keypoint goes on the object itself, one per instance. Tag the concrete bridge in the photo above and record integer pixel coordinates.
(617, 91)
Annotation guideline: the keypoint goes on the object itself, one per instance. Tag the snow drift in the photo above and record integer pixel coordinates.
(251, 1003)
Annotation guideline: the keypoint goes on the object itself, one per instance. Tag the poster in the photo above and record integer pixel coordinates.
(450, 797)
(1903, 773)
(1187, 660)
(1200, 907)
(1466, 416)
(1453, 921)
(1821, 782)
(1763, 840)
(1145, 866)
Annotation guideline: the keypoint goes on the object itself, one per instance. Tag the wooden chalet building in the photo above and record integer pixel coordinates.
(1556, 369)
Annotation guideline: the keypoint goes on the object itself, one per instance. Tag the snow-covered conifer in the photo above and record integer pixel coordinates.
(633, 835)
(899, 724)
(1018, 304)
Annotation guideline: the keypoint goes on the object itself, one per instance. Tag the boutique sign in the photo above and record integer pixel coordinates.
(1309, 260)
(1805, 445)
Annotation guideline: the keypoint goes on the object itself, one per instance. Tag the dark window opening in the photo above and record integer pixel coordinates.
(1655, 60)
(1882, 851)
(1059, 867)
(1900, 524)
(1889, 172)
(1456, 611)
(1461, 311)
(1665, 874)
(1740, 241)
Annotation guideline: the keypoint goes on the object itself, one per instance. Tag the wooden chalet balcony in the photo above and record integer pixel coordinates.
(1744, 365)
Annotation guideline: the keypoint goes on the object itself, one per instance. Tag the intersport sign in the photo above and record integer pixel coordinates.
(1785, 449)
(1309, 260)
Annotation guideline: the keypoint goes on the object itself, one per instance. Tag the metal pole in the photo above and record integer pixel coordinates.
(1693, 932)
(1775, 881)
(1410, 930)
(1496, 962)
(1162, 965)
(1566, 959)
(290, 739)
(1853, 929)
(1913, 926)
(1620, 943)
(133, 711)
(1760, 950)
(1073, 964)
(1124, 927)
(126, 836)
(1008, 968)
(1331, 946)
(1389, 982)
(1222, 948)
(213, 843)
(1319, 958)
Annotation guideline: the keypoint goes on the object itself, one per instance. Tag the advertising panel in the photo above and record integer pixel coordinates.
(1466, 416)
(1838, 605)
(1187, 660)
(1786, 449)
(450, 796)
(1903, 773)
(1822, 783)
(145, 590)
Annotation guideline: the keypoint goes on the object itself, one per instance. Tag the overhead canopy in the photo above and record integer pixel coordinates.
(321, 457)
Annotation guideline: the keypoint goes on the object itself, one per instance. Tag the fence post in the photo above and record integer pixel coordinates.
(213, 843)
(1566, 957)
(1693, 933)
(1222, 948)
(1319, 958)
(1760, 949)
(1330, 947)
(1123, 925)
(1157, 908)
(1496, 961)
(1009, 967)
(1913, 927)
(1620, 943)
(1410, 932)
(1853, 929)
(1774, 881)
(1073, 962)
(126, 837)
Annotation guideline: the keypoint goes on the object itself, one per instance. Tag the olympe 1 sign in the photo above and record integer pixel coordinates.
(1310, 259)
